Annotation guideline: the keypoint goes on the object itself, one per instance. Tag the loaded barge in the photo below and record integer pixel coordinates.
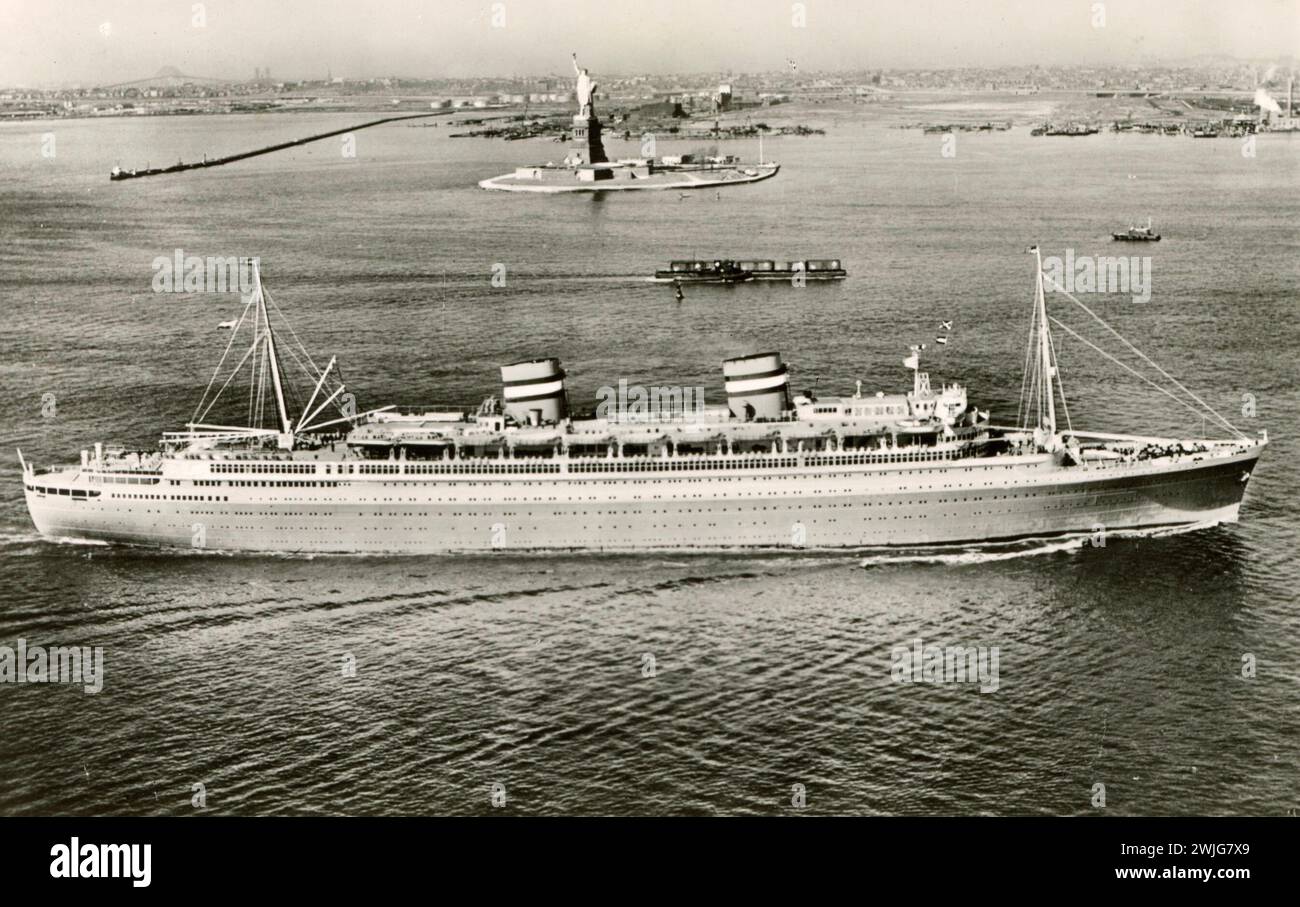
(728, 270)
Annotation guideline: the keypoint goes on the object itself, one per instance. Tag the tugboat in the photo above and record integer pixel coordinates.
(716, 271)
(1138, 234)
(117, 173)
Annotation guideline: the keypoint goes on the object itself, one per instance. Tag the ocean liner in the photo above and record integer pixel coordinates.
(767, 469)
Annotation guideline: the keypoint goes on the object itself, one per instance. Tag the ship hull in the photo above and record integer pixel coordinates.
(904, 505)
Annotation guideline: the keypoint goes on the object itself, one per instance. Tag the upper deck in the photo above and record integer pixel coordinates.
(206, 470)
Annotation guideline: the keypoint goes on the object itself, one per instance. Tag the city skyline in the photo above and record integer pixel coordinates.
(85, 42)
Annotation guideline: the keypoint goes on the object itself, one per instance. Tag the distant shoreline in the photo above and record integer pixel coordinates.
(1096, 107)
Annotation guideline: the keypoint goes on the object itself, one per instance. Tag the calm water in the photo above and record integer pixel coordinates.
(1118, 665)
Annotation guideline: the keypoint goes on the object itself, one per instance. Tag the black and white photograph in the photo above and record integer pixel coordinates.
(691, 409)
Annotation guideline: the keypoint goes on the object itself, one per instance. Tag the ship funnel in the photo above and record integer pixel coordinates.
(757, 386)
(534, 391)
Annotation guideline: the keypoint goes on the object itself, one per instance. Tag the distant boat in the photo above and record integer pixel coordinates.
(227, 325)
(1069, 129)
(1138, 234)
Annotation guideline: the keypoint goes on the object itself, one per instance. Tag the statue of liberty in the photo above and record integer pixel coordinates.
(586, 89)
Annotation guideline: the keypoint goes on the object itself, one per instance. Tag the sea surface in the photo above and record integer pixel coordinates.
(708, 683)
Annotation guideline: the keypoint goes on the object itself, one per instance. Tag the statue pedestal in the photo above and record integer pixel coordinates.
(586, 135)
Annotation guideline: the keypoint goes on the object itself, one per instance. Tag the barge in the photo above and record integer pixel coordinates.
(718, 270)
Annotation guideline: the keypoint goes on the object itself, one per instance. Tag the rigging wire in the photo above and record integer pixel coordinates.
(1056, 363)
(252, 375)
(216, 371)
(314, 374)
(1026, 393)
(204, 415)
(1146, 359)
(261, 389)
(1124, 366)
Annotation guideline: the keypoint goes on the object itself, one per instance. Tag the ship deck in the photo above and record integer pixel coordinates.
(281, 467)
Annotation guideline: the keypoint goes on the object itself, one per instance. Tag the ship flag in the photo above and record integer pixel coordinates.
(912, 361)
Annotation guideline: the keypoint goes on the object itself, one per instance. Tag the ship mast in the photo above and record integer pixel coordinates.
(263, 357)
(272, 358)
(1045, 352)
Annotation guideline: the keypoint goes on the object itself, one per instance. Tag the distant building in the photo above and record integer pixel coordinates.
(658, 110)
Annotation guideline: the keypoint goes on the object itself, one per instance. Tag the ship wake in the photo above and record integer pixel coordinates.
(989, 552)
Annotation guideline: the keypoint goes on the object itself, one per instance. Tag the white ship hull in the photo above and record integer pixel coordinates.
(522, 474)
(843, 506)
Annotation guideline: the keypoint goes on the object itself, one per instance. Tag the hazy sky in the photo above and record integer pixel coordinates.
(64, 41)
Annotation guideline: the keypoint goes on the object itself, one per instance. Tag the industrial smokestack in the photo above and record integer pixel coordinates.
(1265, 102)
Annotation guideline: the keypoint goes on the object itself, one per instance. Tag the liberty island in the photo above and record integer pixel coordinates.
(586, 168)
